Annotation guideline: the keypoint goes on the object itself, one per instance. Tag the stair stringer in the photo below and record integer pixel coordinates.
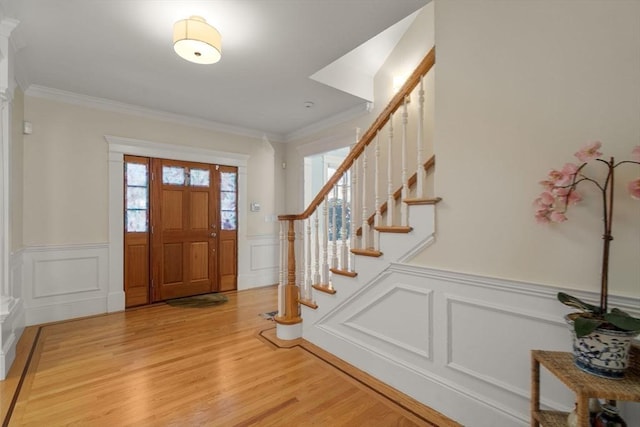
(395, 248)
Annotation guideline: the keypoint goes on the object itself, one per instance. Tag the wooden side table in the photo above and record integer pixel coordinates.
(584, 385)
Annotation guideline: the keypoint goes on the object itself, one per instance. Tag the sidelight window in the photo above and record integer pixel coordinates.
(137, 197)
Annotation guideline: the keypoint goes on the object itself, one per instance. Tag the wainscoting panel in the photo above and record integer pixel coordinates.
(263, 262)
(64, 282)
(456, 342)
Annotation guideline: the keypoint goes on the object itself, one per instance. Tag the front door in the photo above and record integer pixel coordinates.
(183, 229)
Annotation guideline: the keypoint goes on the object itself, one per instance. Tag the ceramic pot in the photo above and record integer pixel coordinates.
(604, 352)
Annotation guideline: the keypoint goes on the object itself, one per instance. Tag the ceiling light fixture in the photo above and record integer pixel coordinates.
(197, 41)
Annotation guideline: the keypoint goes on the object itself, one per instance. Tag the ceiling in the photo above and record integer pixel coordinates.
(121, 50)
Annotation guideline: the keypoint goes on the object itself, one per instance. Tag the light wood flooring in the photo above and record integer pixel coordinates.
(171, 366)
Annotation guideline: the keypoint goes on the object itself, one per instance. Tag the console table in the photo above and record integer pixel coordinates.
(584, 385)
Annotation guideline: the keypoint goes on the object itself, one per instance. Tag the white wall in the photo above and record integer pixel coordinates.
(520, 87)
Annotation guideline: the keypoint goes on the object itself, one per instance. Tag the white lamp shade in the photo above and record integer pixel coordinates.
(197, 41)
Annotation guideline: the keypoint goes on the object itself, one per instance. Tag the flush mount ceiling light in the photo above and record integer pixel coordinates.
(197, 41)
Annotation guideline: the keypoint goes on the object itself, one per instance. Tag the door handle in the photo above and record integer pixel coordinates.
(213, 234)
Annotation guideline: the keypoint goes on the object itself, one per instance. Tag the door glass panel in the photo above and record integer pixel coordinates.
(136, 174)
(228, 181)
(137, 198)
(137, 220)
(228, 220)
(199, 177)
(228, 201)
(173, 175)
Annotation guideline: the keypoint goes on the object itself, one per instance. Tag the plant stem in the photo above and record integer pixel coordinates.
(607, 196)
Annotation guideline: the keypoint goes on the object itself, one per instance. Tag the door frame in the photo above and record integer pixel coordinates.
(118, 147)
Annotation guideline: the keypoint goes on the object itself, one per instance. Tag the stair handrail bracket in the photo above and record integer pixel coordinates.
(295, 284)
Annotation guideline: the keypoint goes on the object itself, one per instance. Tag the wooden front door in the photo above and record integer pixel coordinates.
(180, 230)
(183, 229)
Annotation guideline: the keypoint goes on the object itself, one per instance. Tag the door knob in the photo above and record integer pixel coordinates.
(213, 234)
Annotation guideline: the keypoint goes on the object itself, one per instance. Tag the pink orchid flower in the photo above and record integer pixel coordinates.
(559, 178)
(635, 154)
(547, 185)
(574, 197)
(634, 188)
(542, 217)
(545, 200)
(589, 152)
(557, 217)
(570, 169)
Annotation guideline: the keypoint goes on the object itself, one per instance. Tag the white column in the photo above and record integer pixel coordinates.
(11, 320)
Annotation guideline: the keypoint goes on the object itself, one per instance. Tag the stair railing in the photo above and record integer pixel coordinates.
(301, 235)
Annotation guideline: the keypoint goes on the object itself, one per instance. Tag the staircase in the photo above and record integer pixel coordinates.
(385, 217)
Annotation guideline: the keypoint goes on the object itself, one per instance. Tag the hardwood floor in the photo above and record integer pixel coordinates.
(171, 366)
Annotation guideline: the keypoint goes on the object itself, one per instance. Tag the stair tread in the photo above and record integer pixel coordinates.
(394, 229)
(366, 252)
(343, 272)
(423, 201)
(308, 303)
(324, 287)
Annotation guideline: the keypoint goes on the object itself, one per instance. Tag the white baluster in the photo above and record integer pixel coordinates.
(353, 204)
(325, 243)
(421, 175)
(300, 255)
(376, 174)
(404, 212)
(308, 261)
(283, 268)
(390, 200)
(363, 189)
(334, 229)
(316, 245)
(344, 254)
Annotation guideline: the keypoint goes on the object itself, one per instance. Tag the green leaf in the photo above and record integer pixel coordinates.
(622, 320)
(585, 325)
(572, 301)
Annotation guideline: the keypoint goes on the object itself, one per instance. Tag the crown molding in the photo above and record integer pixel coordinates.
(350, 114)
(44, 92)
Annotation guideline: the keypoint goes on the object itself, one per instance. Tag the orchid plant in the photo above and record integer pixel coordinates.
(560, 192)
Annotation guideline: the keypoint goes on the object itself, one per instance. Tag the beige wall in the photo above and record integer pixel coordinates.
(66, 167)
(16, 168)
(520, 87)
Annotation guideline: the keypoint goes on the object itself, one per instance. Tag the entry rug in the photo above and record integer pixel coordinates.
(269, 315)
(197, 301)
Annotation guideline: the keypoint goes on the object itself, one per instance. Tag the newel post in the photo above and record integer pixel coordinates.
(289, 322)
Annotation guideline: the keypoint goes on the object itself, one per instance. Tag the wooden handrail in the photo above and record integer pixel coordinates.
(425, 65)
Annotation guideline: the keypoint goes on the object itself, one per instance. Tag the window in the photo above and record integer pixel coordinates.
(137, 197)
(228, 201)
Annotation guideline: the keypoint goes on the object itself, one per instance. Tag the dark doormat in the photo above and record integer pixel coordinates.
(205, 300)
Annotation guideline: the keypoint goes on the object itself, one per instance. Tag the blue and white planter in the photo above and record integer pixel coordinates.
(604, 352)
